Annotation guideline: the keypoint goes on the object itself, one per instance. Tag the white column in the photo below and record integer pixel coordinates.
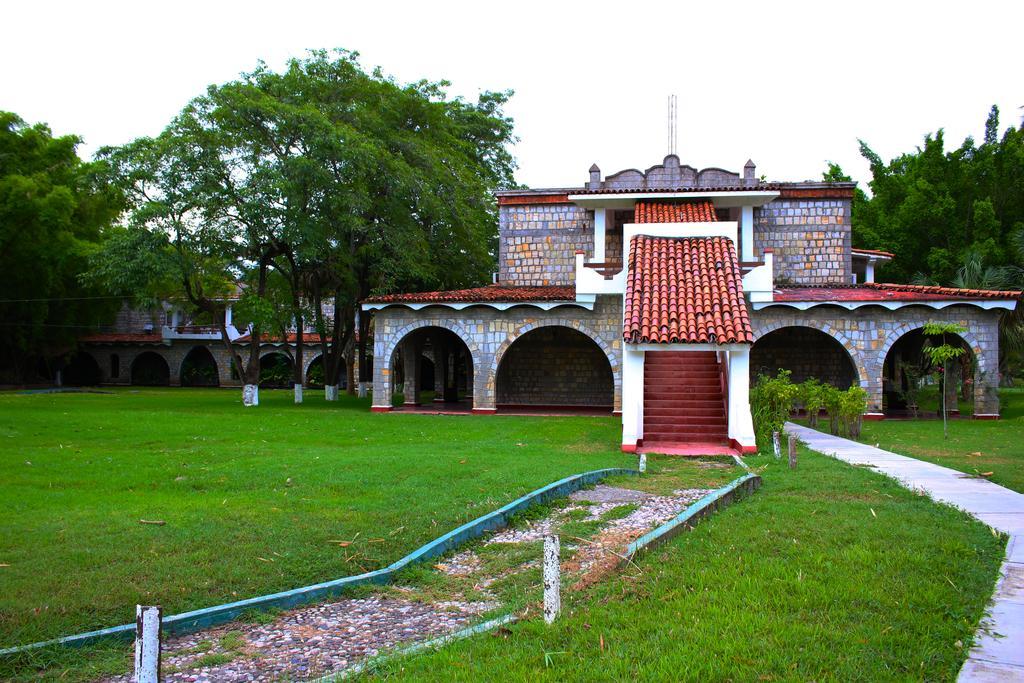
(632, 397)
(747, 233)
(600, 226)
(741, 424)
(869, 271)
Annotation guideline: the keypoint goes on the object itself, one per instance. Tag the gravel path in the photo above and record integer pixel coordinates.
(309, 641)
(332, 637)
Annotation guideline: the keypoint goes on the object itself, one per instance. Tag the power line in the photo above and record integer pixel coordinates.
(60, 298)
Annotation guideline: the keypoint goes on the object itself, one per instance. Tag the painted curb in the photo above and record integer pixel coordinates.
(188, 622)
(749, 483)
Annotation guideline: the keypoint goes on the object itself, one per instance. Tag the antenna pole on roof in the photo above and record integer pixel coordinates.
(673, 120)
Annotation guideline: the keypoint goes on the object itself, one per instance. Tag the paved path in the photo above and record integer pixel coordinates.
(993, 658)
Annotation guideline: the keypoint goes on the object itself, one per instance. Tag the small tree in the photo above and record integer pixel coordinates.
(812, 395)
(940, 355)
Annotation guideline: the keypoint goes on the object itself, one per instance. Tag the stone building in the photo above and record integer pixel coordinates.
(163, 348)
(657, 295)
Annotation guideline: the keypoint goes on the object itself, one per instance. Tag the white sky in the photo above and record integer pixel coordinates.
(790, 85)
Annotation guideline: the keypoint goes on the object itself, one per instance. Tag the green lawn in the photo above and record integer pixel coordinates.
(974, 446)
(829, 572)
(250, 497)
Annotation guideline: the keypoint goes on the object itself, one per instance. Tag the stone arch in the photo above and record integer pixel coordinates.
(307, 362)
(82, 369)
(196, 366)
(384, 351)
(488, 380)
(150, 368)
(269, 377)
(902, 329)
(855, 355)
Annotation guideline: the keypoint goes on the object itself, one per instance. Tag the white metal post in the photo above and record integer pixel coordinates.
(643, 462)
(147, 644)
(552, 579)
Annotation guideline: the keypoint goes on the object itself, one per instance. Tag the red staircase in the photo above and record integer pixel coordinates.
(684, 403)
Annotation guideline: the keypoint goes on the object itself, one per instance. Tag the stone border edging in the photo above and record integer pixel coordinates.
(195, 620)
(749, 482)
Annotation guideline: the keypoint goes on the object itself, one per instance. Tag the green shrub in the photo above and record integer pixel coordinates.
(812, 397)
(771, 402)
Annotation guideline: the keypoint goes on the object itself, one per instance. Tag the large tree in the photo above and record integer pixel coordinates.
(344, 182)
(53, 210)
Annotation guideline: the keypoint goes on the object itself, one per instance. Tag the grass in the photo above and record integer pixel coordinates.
(253, 500)
(829, 572)
(974, 446)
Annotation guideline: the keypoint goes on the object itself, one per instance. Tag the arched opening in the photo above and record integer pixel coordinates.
(433, 364)
(276, 370)
(81, 370)
(199, 369)
(315, 373)
(806, 353)
(555, 367)
(912, 386)
(149, 369)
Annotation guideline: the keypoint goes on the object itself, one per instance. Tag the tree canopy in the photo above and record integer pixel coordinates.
(341, 181)
(53, 211)
(938, 210)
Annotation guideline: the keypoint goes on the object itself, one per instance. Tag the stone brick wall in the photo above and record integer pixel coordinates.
(869, 332)
(538, 243)
(489, 334)
(810, 238)
(804, 352)
(555, 366)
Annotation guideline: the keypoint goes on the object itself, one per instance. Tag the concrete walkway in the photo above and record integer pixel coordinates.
(998, 653)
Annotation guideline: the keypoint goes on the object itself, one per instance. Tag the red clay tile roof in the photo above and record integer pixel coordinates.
(674, 212)
(307, 338)
(123, 338)
(491, 294)
(880, 291)
(872, 252)
(685, 290)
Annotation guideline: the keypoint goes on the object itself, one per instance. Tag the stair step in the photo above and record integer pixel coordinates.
(681, 393)
(656, 410)
(685, 405)
(688, 435)
(677, 421)
(672, 375)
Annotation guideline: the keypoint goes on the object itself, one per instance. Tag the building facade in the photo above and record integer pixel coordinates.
(658, 295)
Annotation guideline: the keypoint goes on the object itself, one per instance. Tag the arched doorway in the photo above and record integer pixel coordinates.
(81, 370)
(276, 370)
(149, 369)
(912, 386)
(554, 367)
(432, 364)
(199, 369)
(315, 373)
(806, 353)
